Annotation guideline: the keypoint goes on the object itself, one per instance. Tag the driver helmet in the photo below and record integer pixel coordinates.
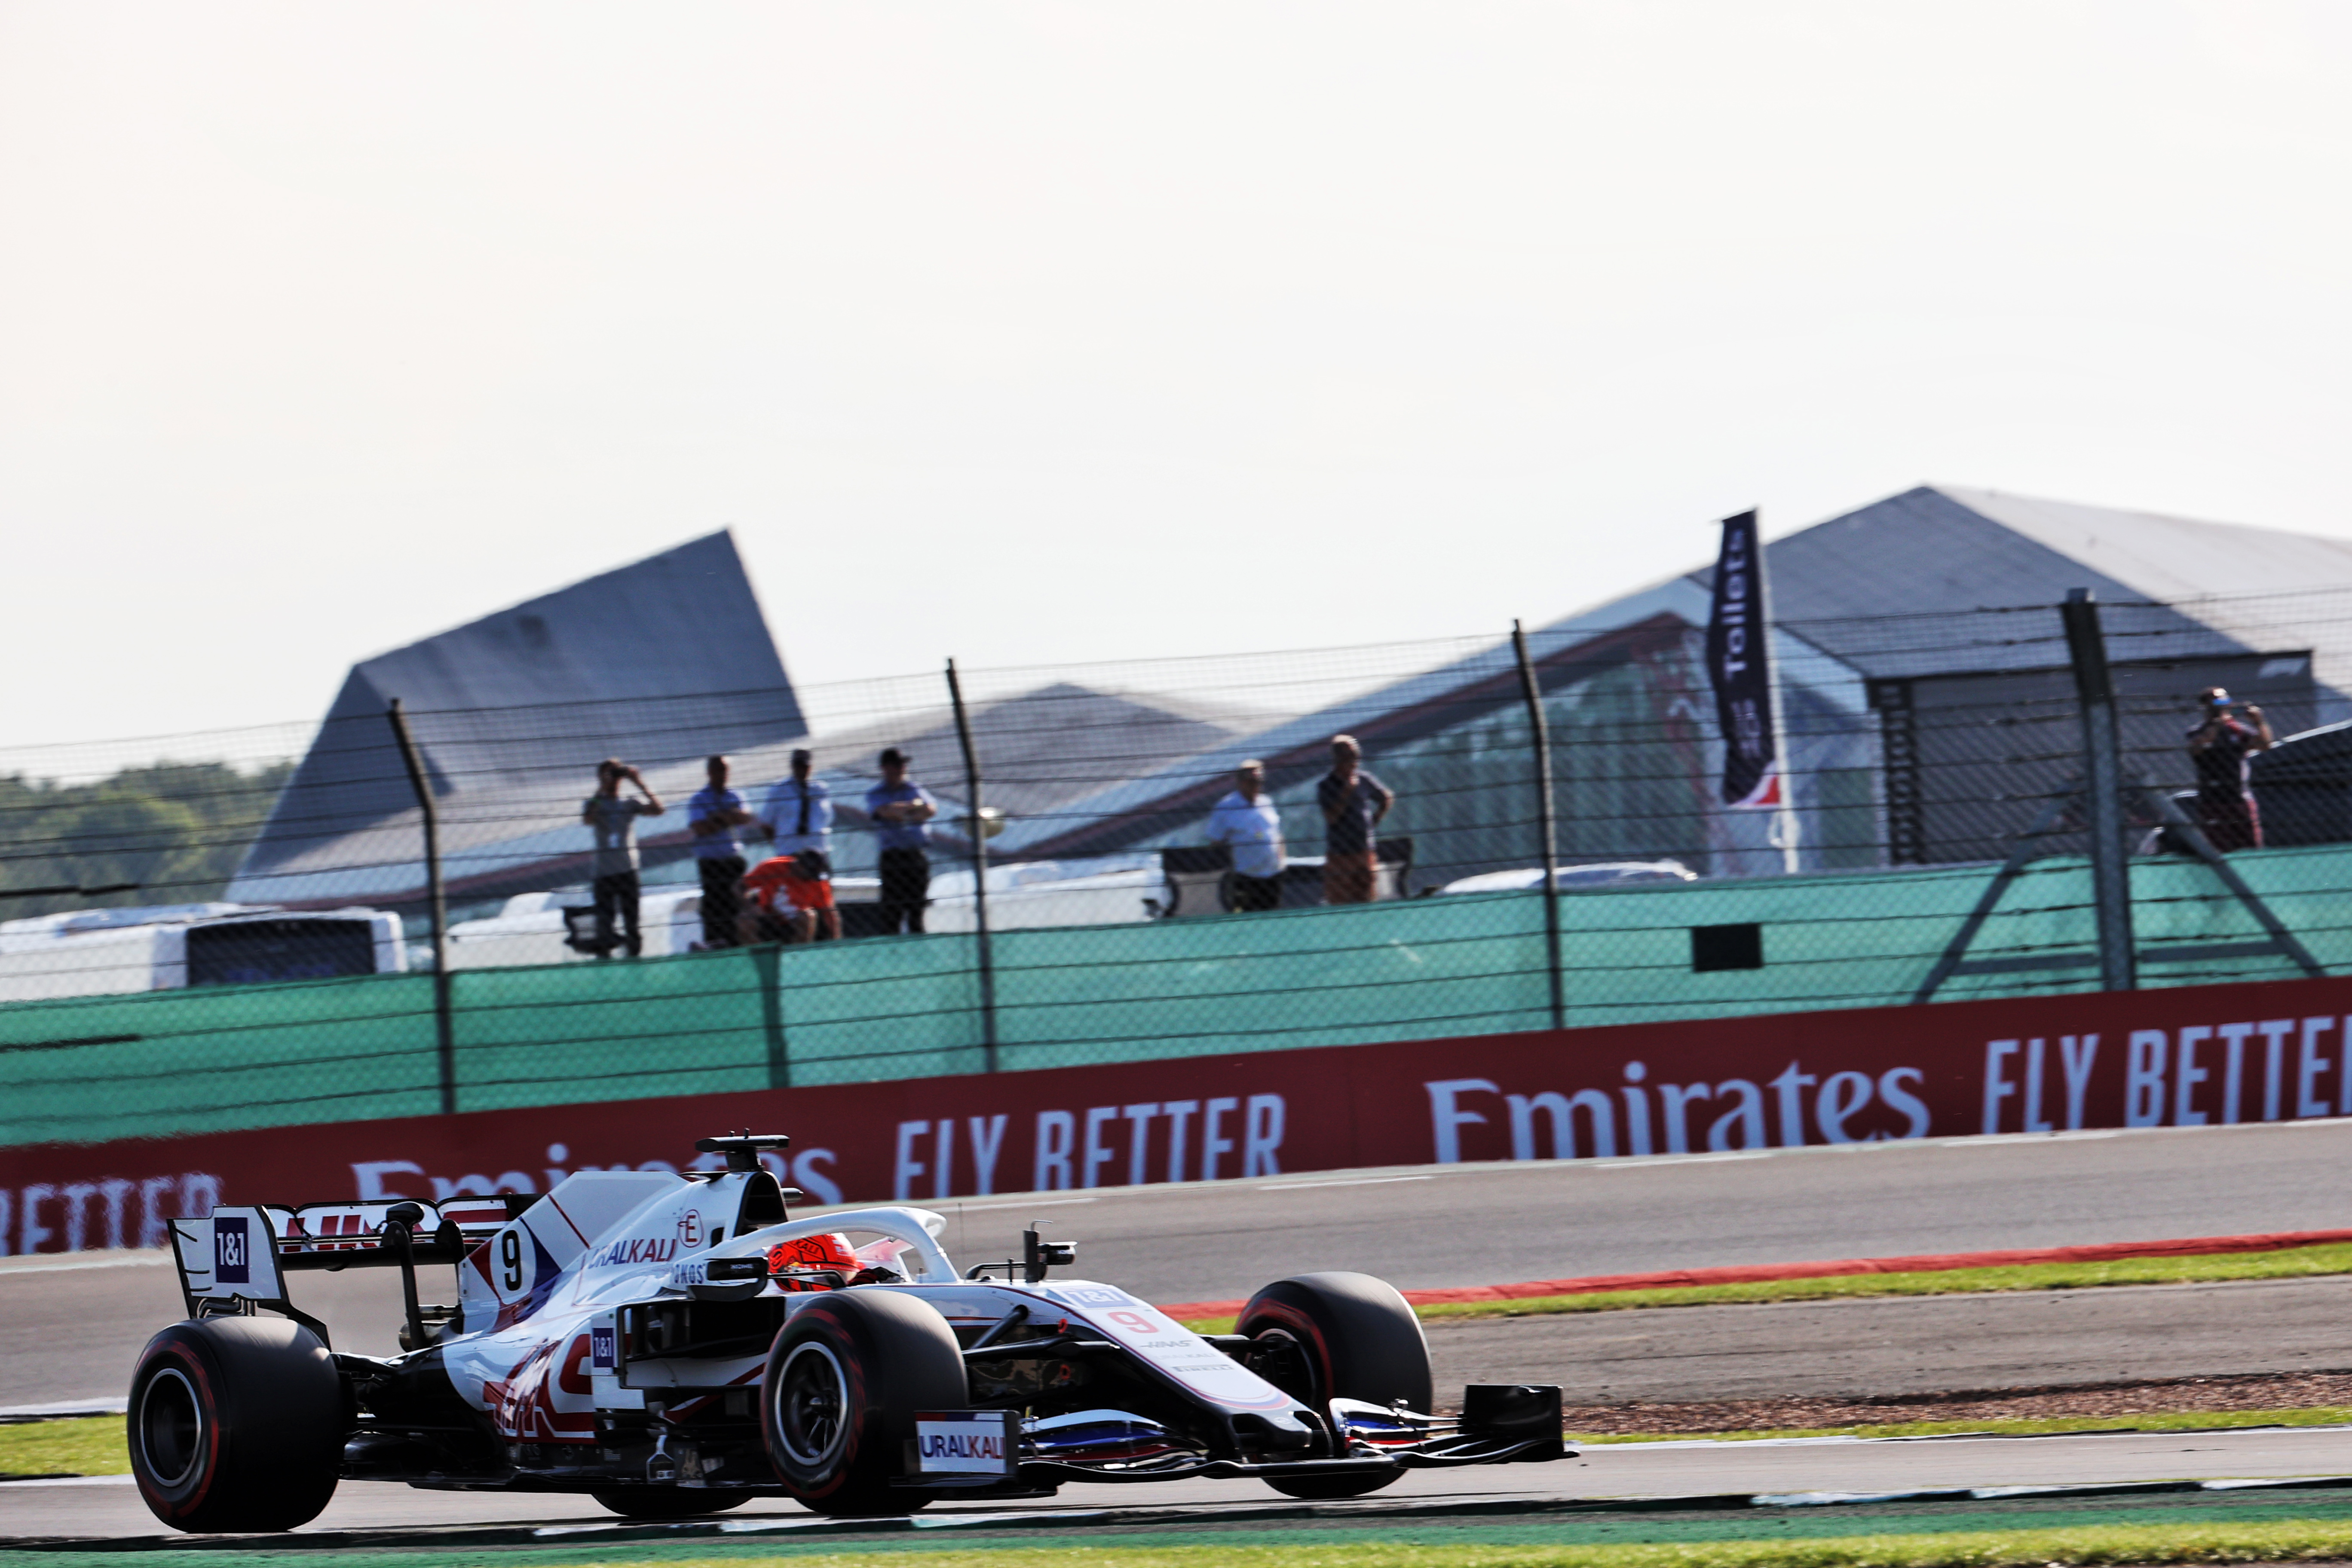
(829, 1251)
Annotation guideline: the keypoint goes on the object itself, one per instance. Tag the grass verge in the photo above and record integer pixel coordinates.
(86, 1446)
(2290, 1263)
(2154, 1421)
(2284, 1541)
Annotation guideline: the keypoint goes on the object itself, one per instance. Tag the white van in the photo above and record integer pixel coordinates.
(98, 953)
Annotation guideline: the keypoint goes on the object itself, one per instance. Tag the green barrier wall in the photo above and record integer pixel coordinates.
(215, 1059)
(189, 1061)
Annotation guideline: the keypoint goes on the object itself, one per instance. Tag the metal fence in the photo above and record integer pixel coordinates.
(1084, 922)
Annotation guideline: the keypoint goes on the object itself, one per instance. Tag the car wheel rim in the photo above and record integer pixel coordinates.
(171, 1428)
(812, 1397)
(1278, 1356)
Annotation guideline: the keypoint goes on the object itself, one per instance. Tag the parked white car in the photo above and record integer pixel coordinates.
(530, 928)
(1576, 879)
(1111, 890)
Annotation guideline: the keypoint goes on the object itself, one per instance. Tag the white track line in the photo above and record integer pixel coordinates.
(11, 1271)
(1346, 1181)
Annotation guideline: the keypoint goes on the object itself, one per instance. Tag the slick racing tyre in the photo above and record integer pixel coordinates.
(1320, 1337)
(236, 1425)
(837, 1406)
(667, 1502)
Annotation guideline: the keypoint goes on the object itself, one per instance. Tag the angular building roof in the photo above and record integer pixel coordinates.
(659, 663)
(1900, 588)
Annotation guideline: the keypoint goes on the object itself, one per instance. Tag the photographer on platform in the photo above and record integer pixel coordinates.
(2220, 745)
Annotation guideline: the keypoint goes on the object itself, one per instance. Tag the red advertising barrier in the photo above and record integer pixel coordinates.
(2188, 1057)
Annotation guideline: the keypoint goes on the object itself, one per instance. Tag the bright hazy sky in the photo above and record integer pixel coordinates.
(1038, 333)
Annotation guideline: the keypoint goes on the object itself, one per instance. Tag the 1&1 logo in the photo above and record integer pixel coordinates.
(232, 1252)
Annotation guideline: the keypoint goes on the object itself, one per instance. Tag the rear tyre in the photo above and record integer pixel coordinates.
(236, 1425)
(1320, 1337)
(845, 1380)
(667, 1502)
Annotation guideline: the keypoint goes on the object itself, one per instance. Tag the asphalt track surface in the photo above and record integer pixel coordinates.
(71, 1325)
(1623, 1472)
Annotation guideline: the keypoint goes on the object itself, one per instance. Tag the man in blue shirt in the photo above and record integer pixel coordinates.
(798, 815)
(902, 810)
(712, 816)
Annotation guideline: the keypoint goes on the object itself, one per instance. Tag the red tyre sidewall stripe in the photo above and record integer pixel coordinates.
(857, 1409)
(1303, 1329)
(208, 1465)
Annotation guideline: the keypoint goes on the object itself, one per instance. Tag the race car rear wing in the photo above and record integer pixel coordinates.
(236, 1257)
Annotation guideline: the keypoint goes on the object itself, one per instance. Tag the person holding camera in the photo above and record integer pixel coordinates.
(2220, 745)
(614, 863)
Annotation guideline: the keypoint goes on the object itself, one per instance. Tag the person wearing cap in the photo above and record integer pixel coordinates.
(901, 811)
(798, 815)
(1248, 824)
(713, 816)
(2219, 745)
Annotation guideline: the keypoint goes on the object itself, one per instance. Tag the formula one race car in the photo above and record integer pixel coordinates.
(673, 1346)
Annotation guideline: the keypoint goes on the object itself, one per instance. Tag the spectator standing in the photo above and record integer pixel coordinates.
(1247, 824)
(712, 816)
(798, 815)
(614, 865)
(1353, 802)
(902, 810)
(2220, 745)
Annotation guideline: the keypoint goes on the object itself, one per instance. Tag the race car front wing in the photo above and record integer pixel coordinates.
(1500, 1423)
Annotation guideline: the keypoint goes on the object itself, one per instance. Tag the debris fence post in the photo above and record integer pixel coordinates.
(2086, 648)
(437, 907)
(978, 829)
(1536, 726)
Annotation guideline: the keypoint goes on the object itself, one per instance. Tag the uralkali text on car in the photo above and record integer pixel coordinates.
(676, 1346)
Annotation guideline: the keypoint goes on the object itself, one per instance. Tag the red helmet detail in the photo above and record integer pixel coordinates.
(831, 1250)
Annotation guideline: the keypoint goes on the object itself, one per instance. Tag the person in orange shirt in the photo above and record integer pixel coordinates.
(787, 904)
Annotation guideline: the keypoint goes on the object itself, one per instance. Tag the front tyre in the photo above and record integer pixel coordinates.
(236, 1425)
(845, 1380)
(667, 1502)
(1338, 1335)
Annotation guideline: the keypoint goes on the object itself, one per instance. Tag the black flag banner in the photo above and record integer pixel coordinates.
(1737, 664)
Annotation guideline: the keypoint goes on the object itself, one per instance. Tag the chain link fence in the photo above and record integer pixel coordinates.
(244, 938)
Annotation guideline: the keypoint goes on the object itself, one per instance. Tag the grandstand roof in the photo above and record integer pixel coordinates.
(660, 663)
(1899, 587)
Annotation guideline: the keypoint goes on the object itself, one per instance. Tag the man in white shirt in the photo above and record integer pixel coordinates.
(798, 815)
(1247, 823)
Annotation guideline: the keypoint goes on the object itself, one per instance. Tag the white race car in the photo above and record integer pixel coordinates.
(676, 1346)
